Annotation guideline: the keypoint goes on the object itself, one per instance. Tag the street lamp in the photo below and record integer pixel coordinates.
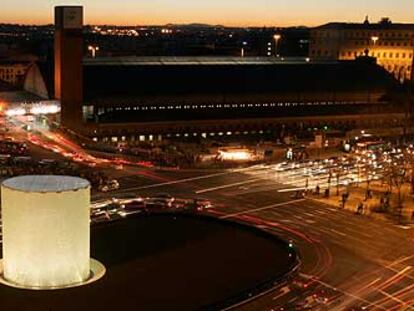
(277, 37)
(93, 49)
(242, 52)
(374, 39)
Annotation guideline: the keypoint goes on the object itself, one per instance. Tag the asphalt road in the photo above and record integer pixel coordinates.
(350, 260)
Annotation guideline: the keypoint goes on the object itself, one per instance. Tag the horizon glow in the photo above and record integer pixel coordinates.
(227, 13)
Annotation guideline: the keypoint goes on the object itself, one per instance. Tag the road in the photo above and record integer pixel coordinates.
(348, 261)
(352, 259)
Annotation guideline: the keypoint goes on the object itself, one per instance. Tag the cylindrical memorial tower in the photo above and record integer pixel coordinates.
(46, 232)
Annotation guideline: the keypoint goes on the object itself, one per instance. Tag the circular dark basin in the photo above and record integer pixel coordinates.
(169, 262)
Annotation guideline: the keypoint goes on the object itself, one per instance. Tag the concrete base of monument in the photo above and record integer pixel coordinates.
(97, 271)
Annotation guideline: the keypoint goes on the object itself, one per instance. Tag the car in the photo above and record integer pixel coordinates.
(110, 186)
(153, 205)
(179, 204)
(111, 208)
(100, 216)
(47, 162)
(163, 198)
(134, 205)
(90, 163)
(202, 204)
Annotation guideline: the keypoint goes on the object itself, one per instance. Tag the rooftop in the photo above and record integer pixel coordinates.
(171, 60)
(368, 26)
(45, 183)
(176, 79)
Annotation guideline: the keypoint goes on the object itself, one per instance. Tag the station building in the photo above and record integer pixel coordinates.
(131, 97)
(146, 98)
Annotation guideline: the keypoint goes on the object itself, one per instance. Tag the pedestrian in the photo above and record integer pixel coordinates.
(317, 190)
(360, 208)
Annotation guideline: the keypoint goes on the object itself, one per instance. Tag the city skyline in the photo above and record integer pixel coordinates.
(228, 13)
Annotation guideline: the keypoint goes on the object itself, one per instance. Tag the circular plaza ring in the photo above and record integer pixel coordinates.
(97, 271)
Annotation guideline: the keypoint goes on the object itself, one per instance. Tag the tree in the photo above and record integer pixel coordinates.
(395, 176)
(402, 99)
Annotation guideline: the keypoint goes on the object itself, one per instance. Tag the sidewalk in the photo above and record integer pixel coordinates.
(357, 196)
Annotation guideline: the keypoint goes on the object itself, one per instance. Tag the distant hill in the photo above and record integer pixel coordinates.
(194, 25)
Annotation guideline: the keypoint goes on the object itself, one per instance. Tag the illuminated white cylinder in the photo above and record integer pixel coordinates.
(46, 231)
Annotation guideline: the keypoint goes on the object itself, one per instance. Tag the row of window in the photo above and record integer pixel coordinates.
(366, 43)
(6, 70)
(361, 34)
(151, 137)
(102, 110)
(393, 55)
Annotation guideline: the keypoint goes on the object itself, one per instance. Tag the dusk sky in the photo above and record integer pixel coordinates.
(225, 12)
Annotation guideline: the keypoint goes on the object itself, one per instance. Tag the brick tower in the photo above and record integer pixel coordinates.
(68, 63)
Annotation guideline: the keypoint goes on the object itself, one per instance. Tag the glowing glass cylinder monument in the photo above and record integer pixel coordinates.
(46, 231)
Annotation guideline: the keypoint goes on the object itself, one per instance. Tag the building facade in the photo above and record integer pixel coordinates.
(13, 72)
(391, 44)
(141, 98)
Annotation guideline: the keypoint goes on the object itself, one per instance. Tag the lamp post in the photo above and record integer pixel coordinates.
(277, 38)
(93, 49)
(374, 40)
(242, 51)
